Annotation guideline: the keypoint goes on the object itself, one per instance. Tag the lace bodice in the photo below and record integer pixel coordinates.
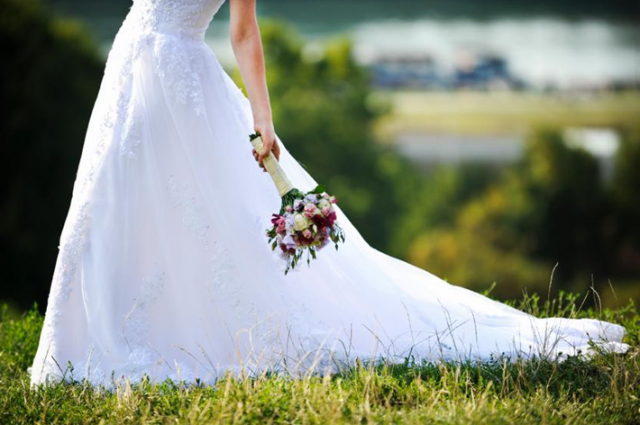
(185, 18)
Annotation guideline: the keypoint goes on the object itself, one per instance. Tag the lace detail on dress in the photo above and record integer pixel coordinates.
(179, 67)
(222, 287)
(131, 134)
(114, 118)
(193, 214)
(219, 286)
(65, 279)
(141, 363)
(135, 324)
(172, 32)
(183, 18)
(73, 242)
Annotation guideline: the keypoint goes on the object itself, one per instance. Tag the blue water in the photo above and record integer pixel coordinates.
(564, 43)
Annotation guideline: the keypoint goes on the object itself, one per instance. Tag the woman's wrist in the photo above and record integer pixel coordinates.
(262, 117)
(263, 123)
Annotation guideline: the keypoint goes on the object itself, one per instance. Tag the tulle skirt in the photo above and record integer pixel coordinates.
(164, 269)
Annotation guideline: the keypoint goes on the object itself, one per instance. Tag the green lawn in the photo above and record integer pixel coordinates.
(602, 390)
(487, 113)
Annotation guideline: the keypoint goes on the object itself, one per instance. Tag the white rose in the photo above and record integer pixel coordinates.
(300, 222)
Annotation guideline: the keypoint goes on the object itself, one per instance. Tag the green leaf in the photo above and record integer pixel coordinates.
(318, 189)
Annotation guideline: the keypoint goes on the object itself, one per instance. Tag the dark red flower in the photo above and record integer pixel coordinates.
(332, 218)
(319, 220)
(276, 219)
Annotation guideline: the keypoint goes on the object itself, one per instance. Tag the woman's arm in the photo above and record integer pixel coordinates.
(247, 47)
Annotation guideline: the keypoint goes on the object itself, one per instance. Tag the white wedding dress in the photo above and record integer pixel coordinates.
(164, 268)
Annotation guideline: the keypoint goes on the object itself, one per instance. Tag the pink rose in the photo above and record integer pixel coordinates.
(310, 209)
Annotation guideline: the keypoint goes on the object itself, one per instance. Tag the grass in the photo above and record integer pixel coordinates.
(604, 389)
(506, 113)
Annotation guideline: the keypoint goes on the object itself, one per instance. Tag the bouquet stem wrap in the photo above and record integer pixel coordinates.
(280, 179)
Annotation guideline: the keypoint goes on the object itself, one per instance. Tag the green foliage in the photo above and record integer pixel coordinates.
(604, 389)
(626, 197)
(627, 173)
(19, 338)
(562, 190)
(552, 207)
(433, 203)
(321, 112)
(49, 78)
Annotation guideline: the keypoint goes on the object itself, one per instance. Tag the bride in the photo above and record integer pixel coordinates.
(163, 267)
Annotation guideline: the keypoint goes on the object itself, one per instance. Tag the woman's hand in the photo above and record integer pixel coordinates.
(269, 141)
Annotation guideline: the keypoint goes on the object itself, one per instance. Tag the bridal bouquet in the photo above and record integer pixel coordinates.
(306, 222)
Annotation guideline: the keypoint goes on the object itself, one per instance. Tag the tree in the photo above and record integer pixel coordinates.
(625, 225)
(549, 208)
(50, 75)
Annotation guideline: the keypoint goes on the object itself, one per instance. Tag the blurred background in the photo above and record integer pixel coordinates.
(489, 142)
